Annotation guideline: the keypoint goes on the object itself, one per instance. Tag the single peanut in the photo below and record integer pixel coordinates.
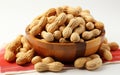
(73, 11)
(36, 59)
(9, 56)
(104, 51)
(40, 67)
(67, 32)
(104, 46)
(107, 55)
(39, 27)
(87, 35)
(99, 25)
(47, 36)
(47, 60)
(60, 20)
(75, 37)
(57, 34)
(69, 28)
(113, 46)
(93, 64)
(90, 26)
(55, 66)
(87, 16)
(80, 62)
(25, 58)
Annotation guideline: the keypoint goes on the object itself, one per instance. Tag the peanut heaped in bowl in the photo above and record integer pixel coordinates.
(65, 33)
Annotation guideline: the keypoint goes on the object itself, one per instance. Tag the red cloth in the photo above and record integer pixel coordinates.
(8, 67)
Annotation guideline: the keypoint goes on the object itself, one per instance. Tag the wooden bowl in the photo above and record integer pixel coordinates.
(64, 52)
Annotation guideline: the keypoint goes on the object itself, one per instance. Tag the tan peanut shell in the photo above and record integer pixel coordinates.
(40, 67)
(25, 58)
(80, 62)
(58, 21)
(75, 37)
(39, 27)
(107, 55)
(11, 48)
(93, 64)
(36, 59)
(113, 46)
(47, 36)
(55, 66)
(47, 60)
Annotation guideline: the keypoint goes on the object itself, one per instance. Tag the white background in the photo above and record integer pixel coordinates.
(15, 15)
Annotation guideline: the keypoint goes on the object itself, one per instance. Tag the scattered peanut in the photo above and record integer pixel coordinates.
(104, 51)
(36, 59)
(93, 64)
(80, 62)
(40, 67)
(11, 48)
(113, 46)
(47, 60)
(25, 58)
(54, 66)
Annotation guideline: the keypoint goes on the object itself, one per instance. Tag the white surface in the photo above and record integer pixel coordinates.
(15, 15)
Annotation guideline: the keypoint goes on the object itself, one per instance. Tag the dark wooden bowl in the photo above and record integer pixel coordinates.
(65, 52)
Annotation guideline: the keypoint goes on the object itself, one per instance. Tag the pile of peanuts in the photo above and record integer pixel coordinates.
(62, 24)
(20, 50)
(66, 24)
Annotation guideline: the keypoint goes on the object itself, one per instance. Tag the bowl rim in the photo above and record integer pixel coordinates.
(57, 43)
